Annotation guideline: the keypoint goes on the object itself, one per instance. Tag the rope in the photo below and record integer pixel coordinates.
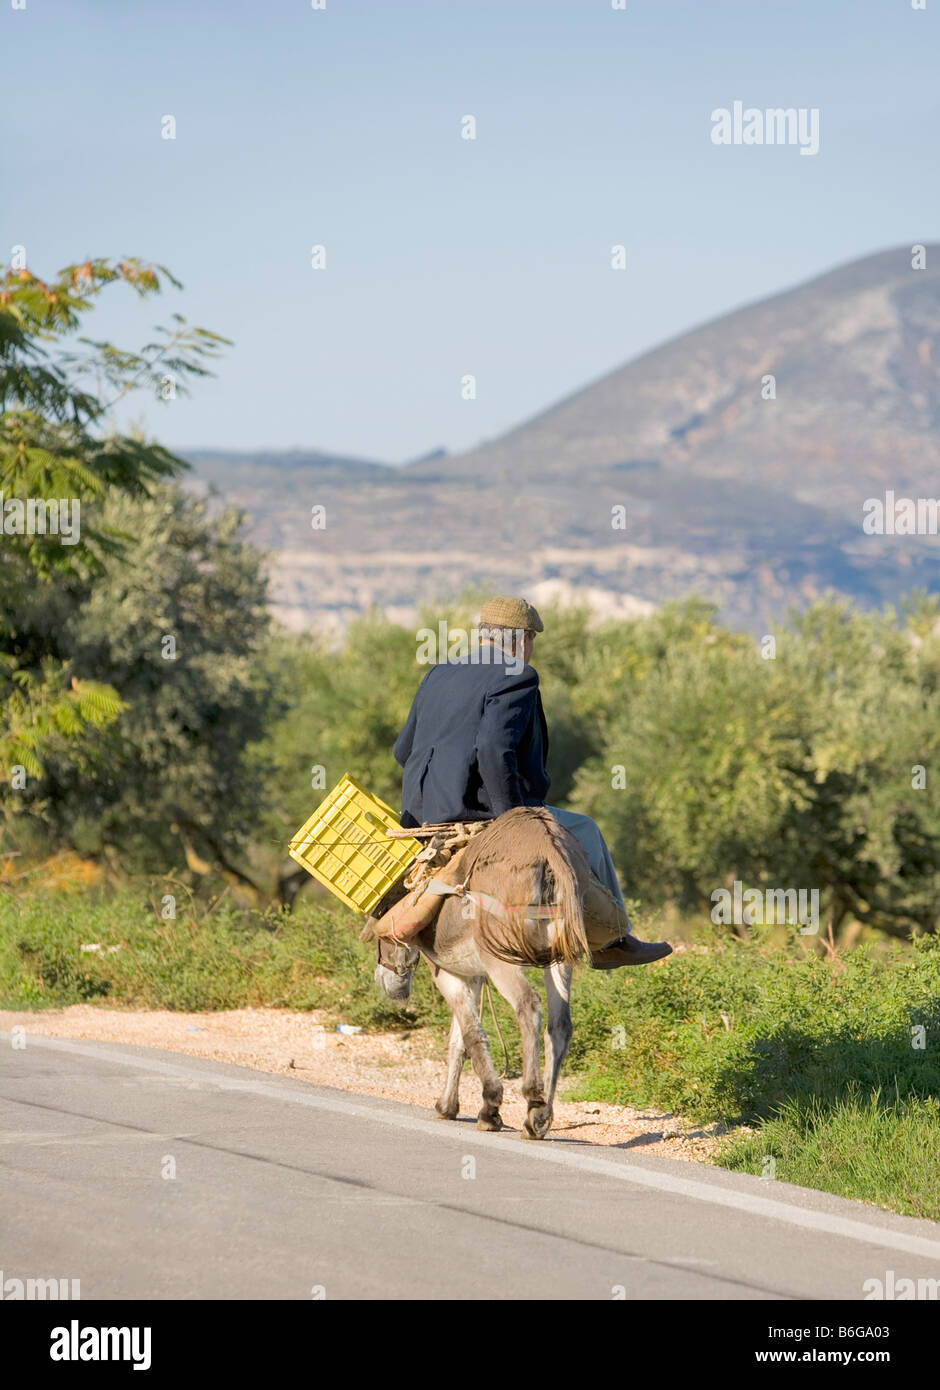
(441, 848)
(499, 1031)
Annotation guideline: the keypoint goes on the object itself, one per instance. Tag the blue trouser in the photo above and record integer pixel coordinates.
(587, 833)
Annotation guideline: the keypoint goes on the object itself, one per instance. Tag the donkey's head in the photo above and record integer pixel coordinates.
(396, 963)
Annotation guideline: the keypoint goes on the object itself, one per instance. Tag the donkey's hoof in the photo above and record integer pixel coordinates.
(489, 1120)
(538, 1122)
(443, 1114)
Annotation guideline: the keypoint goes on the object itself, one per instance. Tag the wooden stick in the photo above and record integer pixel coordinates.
(422, 831)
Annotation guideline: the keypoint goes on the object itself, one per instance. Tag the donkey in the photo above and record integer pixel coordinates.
(524, 878)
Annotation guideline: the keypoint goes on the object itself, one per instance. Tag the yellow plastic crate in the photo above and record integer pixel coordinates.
(344, 845)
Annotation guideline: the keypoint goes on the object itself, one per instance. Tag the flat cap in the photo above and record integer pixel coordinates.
(512, 613)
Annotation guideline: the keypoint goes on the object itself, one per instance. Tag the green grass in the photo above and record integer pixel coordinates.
(818, 1056)
(229, 959)
(874, 1147)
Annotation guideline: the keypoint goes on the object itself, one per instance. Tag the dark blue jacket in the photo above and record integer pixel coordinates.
(475, 744)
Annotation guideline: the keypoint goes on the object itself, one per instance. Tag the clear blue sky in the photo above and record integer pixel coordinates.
(445, 256)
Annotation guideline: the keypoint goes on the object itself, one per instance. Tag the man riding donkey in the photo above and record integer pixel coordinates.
(474, 746)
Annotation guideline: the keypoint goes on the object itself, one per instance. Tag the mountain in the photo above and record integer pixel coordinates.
(733, 486)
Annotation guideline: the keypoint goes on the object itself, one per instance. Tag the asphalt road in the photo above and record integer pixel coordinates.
(286, 1190)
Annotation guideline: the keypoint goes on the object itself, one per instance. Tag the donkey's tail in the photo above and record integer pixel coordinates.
(569, 937)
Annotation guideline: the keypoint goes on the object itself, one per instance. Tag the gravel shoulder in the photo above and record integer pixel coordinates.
(407, 1067)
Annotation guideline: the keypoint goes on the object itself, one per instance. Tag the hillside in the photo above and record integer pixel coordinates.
(754, 502)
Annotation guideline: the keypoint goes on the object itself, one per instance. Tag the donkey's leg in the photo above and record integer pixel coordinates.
(558, 1029)
(448, 1104)
(460, 996)
(512, 984)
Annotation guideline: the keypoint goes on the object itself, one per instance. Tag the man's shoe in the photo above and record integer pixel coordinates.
(629, 950)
